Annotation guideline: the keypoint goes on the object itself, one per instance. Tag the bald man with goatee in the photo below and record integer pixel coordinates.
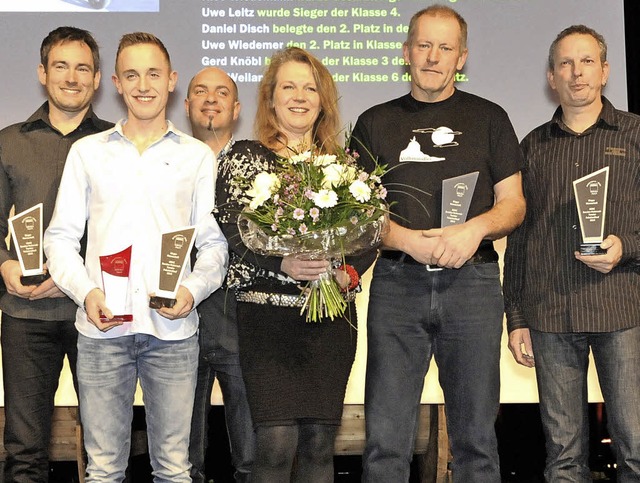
(213, 108)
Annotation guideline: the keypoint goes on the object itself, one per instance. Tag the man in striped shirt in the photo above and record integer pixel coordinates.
(561, 304)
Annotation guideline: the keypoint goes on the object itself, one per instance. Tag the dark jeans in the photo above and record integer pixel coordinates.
(217, 314)
(32, 356)
(456, 316)
(561, 370)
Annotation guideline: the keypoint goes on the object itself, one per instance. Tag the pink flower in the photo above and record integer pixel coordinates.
(314, 213)
(303, 229)
(298, 214)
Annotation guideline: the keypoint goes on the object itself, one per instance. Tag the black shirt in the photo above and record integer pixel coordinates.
(473, 134)
(32, 157)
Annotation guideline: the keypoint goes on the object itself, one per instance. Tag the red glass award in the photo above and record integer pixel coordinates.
(174, 253)
(26, 233)
(115, 283)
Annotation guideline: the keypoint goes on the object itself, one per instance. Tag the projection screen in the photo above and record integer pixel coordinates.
(360, 41)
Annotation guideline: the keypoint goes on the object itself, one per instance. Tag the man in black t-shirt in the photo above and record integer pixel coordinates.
(436, 290)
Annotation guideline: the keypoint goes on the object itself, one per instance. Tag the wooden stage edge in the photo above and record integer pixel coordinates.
(432, 442)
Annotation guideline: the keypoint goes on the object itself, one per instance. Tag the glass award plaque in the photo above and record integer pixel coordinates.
(115, 283)
(591, 200)
(456, 198)
(174, 252)
(26, 233)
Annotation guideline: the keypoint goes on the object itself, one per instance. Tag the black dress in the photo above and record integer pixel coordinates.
(294, 371)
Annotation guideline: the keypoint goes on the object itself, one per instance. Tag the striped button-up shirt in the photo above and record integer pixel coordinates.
(545, 287)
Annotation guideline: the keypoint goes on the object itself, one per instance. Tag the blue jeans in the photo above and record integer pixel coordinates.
(108, 370)
(561, 371)
(219, 358)
(455, 315)
(32, 356)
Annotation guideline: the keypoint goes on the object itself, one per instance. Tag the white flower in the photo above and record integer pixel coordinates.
(325, 198)
(333, 176)
(360, 191)
(324, 159)
(300, 157)
(266, 181)
(264, 184)
(351, 173)
(337, 175)
(258, 200)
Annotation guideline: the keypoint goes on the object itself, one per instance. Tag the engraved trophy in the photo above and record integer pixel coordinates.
(26, 233)
(457, 193)
(591, 201)
(456, 198)
(174, 252)
(115, 283)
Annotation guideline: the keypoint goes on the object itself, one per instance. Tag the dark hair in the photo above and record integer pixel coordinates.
(326, 127)
(580, 30)
(439, 11)
(62, 35)
(137, 38)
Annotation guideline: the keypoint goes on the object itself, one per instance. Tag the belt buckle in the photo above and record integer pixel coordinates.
(433, 268)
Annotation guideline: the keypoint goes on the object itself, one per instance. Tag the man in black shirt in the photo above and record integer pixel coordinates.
(38, 320)
(436, 289)
(559, 303)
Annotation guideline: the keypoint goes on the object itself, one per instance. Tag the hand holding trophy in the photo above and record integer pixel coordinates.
(175, 249)
(591, 201)
(115, 283)
(26, 233)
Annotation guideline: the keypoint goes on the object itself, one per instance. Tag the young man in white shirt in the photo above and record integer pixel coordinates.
(129, 185)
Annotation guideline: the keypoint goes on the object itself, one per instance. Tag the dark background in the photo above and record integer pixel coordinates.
(632, 35)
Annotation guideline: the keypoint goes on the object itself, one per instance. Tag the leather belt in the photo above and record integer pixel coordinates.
(485, 254)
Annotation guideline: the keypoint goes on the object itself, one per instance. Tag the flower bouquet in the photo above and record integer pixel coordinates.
(314, 206)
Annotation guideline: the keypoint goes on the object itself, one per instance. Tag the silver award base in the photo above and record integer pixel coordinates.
(591, 249)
